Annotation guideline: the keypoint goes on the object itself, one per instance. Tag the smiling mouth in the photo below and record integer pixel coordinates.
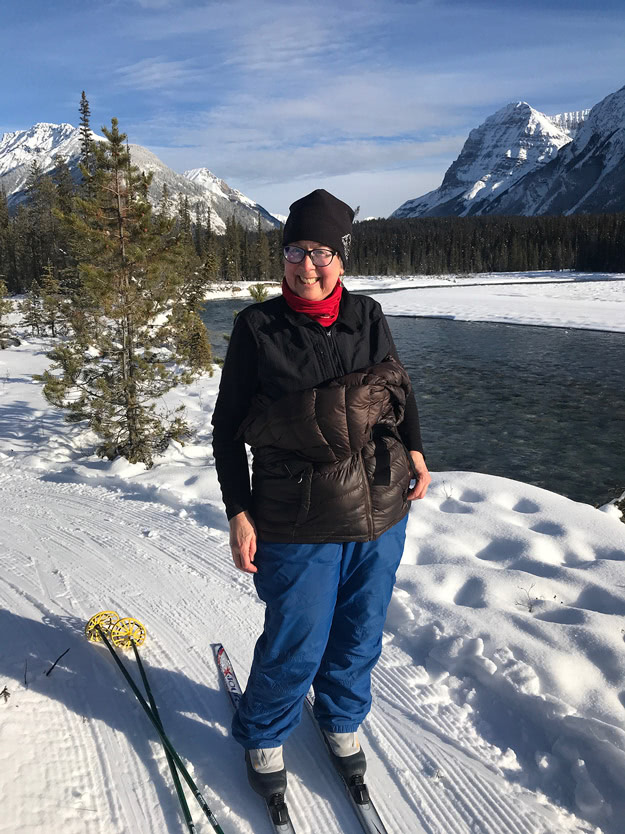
(308, 281)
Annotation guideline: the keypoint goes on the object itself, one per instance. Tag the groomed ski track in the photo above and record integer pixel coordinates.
(88, 760)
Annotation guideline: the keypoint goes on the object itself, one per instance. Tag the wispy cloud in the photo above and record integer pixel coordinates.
(157, 4)
(159, 74)
(348, 92)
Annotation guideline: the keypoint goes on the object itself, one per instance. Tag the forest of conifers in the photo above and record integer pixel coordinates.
(32, 239)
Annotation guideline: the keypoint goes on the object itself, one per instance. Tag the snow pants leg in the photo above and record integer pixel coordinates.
(325, 610)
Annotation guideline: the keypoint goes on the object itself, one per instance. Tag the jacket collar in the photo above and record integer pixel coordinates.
(348, 314)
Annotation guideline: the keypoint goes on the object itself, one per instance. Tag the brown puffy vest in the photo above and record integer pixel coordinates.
(329, 465)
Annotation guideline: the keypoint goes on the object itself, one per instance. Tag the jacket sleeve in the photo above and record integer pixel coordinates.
(410, 428)
(236, 389)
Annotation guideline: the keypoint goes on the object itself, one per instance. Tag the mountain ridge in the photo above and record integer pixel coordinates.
(521, 161)
(44, 140)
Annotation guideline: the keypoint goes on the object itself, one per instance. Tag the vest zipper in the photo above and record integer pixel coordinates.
(328, 352)
(336, 356)
(368, 511)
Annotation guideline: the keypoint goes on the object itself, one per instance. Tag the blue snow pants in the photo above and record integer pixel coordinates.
(325, 610)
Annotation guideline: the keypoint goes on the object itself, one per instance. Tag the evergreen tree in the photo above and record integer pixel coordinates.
(5, 239)
(87, 155)
(246, 265)
(53, 304)
(164, 205)
(6, 307)
(210, 267)
(192, 344)
(263, 268)
(231, 251)
(31, 309)
(42, 225)
(123, 349)
(64, 182)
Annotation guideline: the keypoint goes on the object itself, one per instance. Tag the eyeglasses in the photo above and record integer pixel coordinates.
(319, 257)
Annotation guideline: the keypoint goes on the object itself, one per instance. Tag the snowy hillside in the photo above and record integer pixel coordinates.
(522, 162)
(221, 191)
(41, 143)
(18, 150)
(498, 700)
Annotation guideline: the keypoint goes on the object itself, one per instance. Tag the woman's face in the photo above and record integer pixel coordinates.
(310, 281)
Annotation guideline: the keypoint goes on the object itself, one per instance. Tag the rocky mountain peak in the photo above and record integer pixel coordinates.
(497, 151)
(521, 161)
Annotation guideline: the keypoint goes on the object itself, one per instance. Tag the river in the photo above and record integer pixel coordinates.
(542, 405)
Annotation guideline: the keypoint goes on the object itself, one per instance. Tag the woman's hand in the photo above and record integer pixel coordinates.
(243, 542)
(423, 477)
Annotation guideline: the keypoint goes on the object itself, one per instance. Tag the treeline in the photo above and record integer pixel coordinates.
(429, 246)
(34, 237)
(440, 246)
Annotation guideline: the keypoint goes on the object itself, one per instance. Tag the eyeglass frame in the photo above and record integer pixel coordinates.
(309, 252)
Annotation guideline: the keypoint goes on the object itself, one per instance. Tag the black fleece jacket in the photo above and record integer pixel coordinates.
(275, 351)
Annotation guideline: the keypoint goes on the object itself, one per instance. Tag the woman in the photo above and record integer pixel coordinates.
(313, 384)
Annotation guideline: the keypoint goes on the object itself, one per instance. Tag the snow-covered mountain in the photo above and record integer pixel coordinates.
(18, 150)
(495, 156)
(221, 191)
(588, 175)
(520, 161)
(42, 142)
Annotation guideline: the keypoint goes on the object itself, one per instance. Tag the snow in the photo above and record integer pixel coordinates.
(497, 703)
(590, 304)
(369, 283)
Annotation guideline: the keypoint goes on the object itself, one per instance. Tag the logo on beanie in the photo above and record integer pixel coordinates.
(346, 240)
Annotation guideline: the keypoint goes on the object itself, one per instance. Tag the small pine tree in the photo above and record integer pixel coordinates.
(193, 343)
(123, 351)
(31, 310)
(62, 178)
(6, 307)
(258, 292)
(53, 303)
(210, 266)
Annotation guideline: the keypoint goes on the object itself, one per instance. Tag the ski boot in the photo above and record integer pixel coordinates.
(266, 772)
(349, 759)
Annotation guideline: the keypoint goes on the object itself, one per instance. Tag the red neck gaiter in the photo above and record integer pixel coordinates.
(325, 311)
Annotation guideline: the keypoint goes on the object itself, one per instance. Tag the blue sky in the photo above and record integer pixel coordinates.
(371, 100)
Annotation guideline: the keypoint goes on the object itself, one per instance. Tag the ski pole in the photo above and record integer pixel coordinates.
(166, 742)
(172, 766)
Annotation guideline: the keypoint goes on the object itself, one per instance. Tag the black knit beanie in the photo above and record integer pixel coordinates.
(322, 217)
